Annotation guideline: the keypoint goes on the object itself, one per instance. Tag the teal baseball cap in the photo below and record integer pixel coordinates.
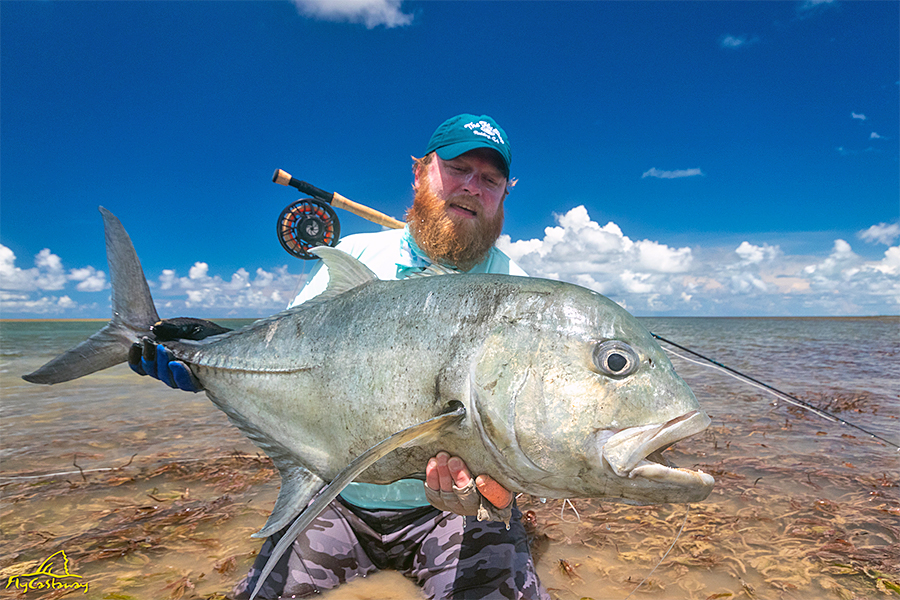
(457, 135)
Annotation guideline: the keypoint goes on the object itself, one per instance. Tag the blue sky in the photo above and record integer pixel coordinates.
(698, 159)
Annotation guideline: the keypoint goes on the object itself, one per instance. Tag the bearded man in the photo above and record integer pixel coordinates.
(450, 535)
(430, 533)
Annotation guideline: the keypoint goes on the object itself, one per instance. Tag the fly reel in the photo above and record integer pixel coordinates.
(312, 222)
(305, 224)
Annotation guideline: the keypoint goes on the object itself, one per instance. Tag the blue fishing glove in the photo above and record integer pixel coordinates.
(149, 358)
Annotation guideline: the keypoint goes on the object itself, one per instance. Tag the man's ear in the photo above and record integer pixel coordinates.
(417, 170)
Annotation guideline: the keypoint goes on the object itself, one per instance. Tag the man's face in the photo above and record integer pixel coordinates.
(457, 212)
(472, 183)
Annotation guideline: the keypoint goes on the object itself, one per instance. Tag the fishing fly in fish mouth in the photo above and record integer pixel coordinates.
(536, 386)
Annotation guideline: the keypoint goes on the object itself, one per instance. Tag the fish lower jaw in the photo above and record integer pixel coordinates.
(626, 450)
(671, 475)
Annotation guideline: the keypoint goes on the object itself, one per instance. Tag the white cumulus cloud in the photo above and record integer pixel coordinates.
(199, 271)
(646, 276)
(89, 279)
(47, 273)
(372, 13)
(25, 290)
(742, 283)
(841, 259)
(750, 253)
(846, 277)
(890, 264)
(653, 256)
(27, 304)
(242, 294)
(650, 276)
(882, 233)
(854, 115)
(602, 258)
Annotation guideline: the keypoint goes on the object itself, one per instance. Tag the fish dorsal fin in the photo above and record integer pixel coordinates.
(434, 269)
(344, 272)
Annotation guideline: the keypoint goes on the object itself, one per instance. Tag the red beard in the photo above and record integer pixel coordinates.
(449, 239)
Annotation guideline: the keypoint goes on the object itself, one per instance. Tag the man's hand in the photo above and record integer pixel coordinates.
(149, 358)
(449, 486)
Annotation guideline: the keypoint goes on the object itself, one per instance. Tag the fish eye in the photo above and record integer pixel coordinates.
(616, 359)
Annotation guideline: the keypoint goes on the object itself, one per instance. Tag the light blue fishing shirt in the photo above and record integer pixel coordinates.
(392, 254)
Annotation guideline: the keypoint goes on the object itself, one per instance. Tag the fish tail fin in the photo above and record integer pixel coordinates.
(133, 313)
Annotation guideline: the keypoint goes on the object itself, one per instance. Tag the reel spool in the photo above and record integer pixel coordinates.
(305, 224)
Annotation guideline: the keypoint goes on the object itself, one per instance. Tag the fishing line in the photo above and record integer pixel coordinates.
(683, 523)
(302, 280)
(563, 510)
(768, 388)
(18, 477)
(100, 469)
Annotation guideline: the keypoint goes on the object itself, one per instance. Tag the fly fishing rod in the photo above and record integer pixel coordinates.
(311, 222)
(772, 390)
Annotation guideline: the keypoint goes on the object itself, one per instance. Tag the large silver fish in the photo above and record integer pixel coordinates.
(550, 388)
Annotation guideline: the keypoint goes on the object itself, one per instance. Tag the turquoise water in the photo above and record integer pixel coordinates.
(766, 457)
(110, 415)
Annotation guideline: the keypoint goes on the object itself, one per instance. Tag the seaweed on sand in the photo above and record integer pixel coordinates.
(771, 529)
(129, 530)
(778, 525)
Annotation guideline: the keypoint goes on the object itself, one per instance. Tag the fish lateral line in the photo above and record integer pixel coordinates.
(256, 371)
(776, 392)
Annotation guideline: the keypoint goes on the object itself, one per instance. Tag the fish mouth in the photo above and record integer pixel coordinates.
(637, 451)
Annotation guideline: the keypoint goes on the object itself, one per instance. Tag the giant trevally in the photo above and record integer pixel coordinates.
(548, 387)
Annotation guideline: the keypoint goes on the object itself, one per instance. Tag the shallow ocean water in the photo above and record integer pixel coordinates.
(151, 493)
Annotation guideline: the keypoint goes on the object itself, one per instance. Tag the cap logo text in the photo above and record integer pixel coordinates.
(484, 129)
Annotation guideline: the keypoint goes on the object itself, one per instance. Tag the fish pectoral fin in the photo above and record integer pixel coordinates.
(422, 432)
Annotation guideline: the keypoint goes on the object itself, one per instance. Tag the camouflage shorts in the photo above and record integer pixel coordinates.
(448, 555)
